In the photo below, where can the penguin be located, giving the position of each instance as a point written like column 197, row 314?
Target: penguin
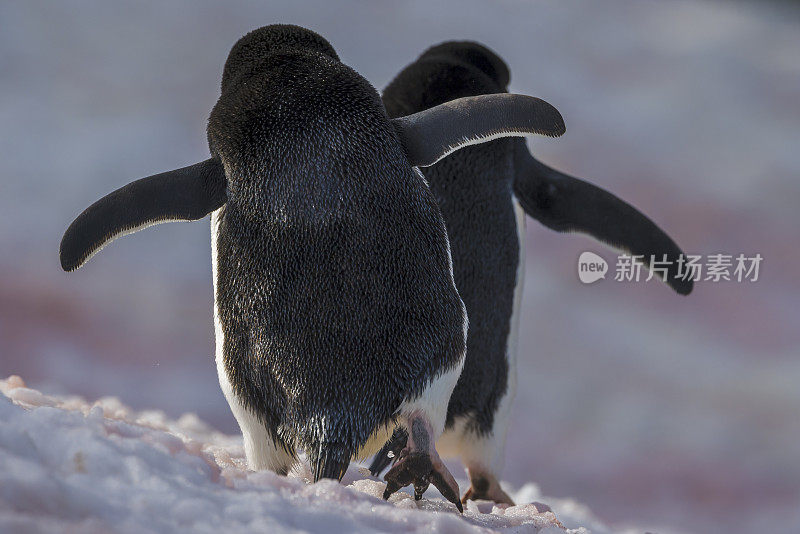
column 336, row 314
column 484, row 192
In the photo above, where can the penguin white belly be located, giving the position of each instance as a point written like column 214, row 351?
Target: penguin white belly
column 432, row 402
column 260, row 449
column 503, row 415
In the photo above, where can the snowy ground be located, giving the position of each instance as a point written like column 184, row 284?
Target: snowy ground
column 67, row 465
column 648, row 407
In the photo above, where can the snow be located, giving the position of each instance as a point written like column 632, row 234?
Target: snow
column 68, row 465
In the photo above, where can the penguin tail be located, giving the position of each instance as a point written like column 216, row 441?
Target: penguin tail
column 330, row 460
column 389, row 451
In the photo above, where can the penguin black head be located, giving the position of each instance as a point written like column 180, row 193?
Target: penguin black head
column 453, row 69
column 289, row 104
column 475, row 55
column 257, row 44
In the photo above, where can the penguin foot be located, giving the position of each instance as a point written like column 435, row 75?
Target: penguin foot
column 419, row 464
column 486, row 488
column 419, row 468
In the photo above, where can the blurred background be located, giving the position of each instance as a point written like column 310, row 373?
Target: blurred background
column 651, row 408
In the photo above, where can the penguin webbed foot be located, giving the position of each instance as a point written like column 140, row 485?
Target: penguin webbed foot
column 419, row 464
column 486, row 488
column 419, row 469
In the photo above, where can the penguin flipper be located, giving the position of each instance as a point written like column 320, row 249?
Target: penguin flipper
column 432, row 134
column 567, row 204
column 185, row 194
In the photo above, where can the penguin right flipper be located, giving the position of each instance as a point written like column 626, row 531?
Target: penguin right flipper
column 185, row 194
column 434, row 133
column 567, row 204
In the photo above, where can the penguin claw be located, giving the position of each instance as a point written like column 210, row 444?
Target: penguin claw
column 418, row 469
column 419, row 489
column 483, row 489
column 448, row 489
column 391, row 487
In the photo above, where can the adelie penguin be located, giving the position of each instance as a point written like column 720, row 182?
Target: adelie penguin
column 336, row 314
column 484, row 192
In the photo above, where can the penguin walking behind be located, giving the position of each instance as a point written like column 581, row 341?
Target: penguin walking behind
column 336, row 314
column 484, row 192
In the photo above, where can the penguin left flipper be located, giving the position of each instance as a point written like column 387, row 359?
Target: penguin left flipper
column 434, row 133
column 184, row 194
column 567, row 204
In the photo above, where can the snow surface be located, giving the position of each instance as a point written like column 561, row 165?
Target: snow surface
column 68, row 465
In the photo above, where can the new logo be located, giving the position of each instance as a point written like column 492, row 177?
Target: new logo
column 591, row 267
